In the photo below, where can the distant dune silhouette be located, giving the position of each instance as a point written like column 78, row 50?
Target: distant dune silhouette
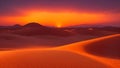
column 33, row 29
column 33, row 24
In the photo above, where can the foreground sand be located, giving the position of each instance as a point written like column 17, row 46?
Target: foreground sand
column 96, row 53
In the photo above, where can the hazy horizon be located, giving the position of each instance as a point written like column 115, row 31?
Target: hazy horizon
column 60, row 13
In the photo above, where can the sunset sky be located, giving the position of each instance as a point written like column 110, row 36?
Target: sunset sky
column 60, row 12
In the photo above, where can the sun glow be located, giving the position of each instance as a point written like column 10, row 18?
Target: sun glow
column 58, row 19
column 59, row 25
column 65, row 18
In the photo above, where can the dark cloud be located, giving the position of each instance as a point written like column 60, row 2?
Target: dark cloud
column 10, row 7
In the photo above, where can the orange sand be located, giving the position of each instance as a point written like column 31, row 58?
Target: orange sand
column 76, row 55
column 105, row 49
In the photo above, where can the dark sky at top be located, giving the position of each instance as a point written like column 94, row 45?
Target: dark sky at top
column 10, row 6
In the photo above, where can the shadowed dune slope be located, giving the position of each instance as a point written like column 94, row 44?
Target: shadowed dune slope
column 17, row 41
column 35, row 58
column 105, row 49
column 108, row 46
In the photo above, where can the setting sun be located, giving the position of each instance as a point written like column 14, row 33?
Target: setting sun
column 59, row 33
column 58, row 25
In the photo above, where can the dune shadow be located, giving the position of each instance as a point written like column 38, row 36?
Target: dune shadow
column 13, row 41
column 106, row 48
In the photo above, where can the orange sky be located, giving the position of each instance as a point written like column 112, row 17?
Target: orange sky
column 60, row 13
column 59, row 19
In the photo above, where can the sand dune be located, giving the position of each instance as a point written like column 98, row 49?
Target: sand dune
column 105, row 49
column 11, row 41
column 46, row 59
column 76, row 55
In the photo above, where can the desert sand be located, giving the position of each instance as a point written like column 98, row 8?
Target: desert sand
column 101, row 52
column 104, row 49
column 11, row 41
